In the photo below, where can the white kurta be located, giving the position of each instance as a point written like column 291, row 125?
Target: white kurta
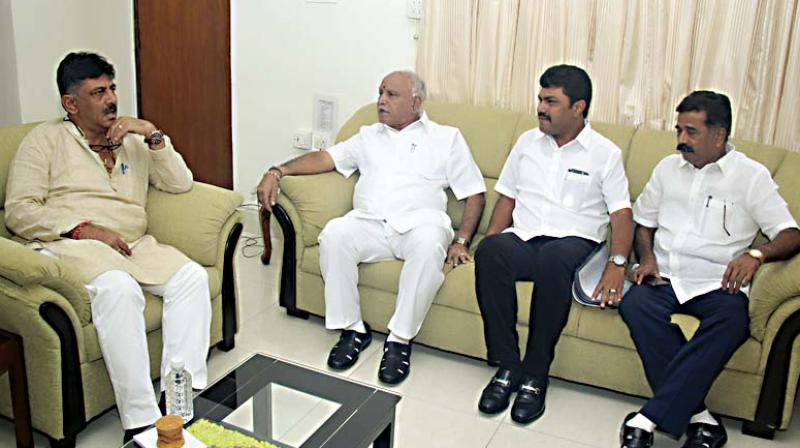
column 399, row 212
column 55, row 182
column 566, row 191
column 707, row 217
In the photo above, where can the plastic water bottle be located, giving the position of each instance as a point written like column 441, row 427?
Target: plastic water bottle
column 179, row 391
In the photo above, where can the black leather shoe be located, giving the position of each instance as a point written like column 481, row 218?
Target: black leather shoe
column 396, row 362
column 703, row 435
column 529, row 404
column 497, row 394
column 630, row 437
column 351, row 343
column 129, row 433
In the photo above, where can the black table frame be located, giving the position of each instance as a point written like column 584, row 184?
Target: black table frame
column 365, row 416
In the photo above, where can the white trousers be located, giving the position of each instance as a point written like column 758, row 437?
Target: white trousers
column 118, row 315
column 345, row 242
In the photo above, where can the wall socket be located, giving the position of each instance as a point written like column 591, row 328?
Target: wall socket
column 302, row 140
column 414, row 9
column 322, row 140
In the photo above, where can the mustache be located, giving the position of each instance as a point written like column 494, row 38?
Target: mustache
column 544, row 117
column 110, row 109
column 683, row 147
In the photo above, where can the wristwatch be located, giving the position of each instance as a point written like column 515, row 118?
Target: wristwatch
column 460, row 240
column 618, row 260
column 757, row 254
column 155, row 138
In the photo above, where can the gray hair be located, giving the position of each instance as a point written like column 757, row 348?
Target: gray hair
column 418, row 87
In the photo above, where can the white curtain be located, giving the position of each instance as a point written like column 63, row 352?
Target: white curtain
column 643, row 56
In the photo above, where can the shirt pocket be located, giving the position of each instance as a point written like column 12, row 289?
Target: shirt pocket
column 722, row 219
column 428, row 165
column 573, row 190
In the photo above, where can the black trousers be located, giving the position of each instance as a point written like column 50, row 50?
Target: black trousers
column 549, row 262
column 681, row 372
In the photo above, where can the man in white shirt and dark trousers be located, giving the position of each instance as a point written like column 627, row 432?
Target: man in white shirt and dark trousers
column 406, row 162
column 561, row 185
column 696, row 218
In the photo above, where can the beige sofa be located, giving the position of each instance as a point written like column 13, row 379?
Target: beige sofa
column 41, row 301
column 759, row 383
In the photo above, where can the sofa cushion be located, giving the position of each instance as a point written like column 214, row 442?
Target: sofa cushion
column 4, row 233
column 767, row 155
column 318, row 199
column 648, row 147
column 788, row 180
column 10, row 137
column 489, row 149
column 617, row 133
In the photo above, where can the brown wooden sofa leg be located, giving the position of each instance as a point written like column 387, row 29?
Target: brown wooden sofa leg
column 12, row 359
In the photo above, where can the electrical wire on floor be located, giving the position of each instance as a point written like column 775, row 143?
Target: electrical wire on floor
column 252, row 246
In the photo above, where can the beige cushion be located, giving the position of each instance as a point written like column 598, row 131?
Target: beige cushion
column 10, row 137
column 191, row 221
column 26, row 267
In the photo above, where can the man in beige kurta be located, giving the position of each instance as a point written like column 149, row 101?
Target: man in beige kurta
column 77, row 190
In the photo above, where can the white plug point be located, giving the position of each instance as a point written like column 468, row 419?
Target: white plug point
column 322, row 140
column 302, row 140
column 414, row 9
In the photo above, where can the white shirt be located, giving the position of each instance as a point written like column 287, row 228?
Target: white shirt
column 707, row 217
column 566, row 191
column 404, row 173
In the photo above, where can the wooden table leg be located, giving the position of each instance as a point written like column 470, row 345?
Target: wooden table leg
column 265, row 257
column 12, row 358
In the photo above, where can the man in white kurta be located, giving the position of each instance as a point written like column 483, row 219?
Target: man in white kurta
column 77, row 190
column 406, row 162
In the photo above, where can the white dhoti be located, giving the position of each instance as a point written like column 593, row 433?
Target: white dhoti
column 118, row 315
column 347, row 241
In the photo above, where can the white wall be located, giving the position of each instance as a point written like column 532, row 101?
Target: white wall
column 44, row 31
column 9, row 90
column 285, row 51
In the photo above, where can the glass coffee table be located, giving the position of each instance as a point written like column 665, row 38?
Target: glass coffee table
column 294, row 407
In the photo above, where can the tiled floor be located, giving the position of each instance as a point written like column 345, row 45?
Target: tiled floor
column 438, row 408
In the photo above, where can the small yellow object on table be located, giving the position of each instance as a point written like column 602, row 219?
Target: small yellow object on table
column 215, row 435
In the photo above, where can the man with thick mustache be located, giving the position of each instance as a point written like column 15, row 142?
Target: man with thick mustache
column 77, row 190
column 696, row 218
column 561, row 185
column 406, row 161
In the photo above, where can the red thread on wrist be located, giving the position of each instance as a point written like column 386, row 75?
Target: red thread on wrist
column 76, row 232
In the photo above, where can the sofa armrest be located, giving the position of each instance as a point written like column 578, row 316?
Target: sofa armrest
column 317, row 199
column 774, row 283
column 27, row 268
column 192, row 222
